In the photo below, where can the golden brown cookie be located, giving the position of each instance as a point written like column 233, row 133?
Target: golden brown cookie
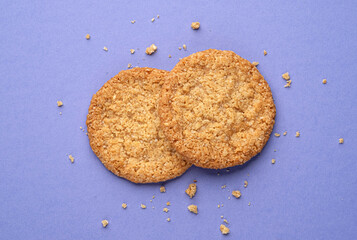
column 216, row 109
column 124, row 128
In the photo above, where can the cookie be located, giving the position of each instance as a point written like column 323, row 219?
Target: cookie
column 123, row 128
column 216, row 109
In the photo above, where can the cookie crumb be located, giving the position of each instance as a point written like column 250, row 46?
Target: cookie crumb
column 236, row 194
column 324, row 81
column 191, row 190
column 297, row 134
column 71, row 158
column 195, row 181
column 133, row 21
column 87, row 36
column 340, row 141
column 223, row 186
column 129, row 65
column 276, row 134
column 285, row 133
column 168, row 204
column 169, row 55
column 265, row 52
column 192, row 208
column 225, row 220
column 142, row 206
column 224, row 229
column 153, row 196
column 168, row 219
column 184, row 47
column 158, row 16
column 180, row 48
column 150, row 50
column 286, row 76
column 124, row 205
column 288, row 84
column 132, row 51
column 218, row 206
column 249, row 204
column 255, row 63
column 245, row 183
column 165, row 210
column 273, row 161
column 222, row 216
column 59, row 103
column 105, row 223
column 162, row 189
column 195, row 25
column 221, row 205
column 152, row 19
column 105, row 49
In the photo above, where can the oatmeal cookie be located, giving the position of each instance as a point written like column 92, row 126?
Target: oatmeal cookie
column 216, row 109
column 124, row 128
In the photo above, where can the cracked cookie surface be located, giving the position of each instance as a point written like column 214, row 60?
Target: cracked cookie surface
column 124, row 128
column 216, row 109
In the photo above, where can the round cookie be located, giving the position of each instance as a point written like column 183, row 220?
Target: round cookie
column 124, row 128
column 216, row 109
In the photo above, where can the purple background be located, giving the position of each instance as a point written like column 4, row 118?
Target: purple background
column 310, row 193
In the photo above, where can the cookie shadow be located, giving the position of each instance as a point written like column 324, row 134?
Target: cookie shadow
column 226, row 171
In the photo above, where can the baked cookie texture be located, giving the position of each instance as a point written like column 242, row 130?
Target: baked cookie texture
column 216, row 109
column 124, row 128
